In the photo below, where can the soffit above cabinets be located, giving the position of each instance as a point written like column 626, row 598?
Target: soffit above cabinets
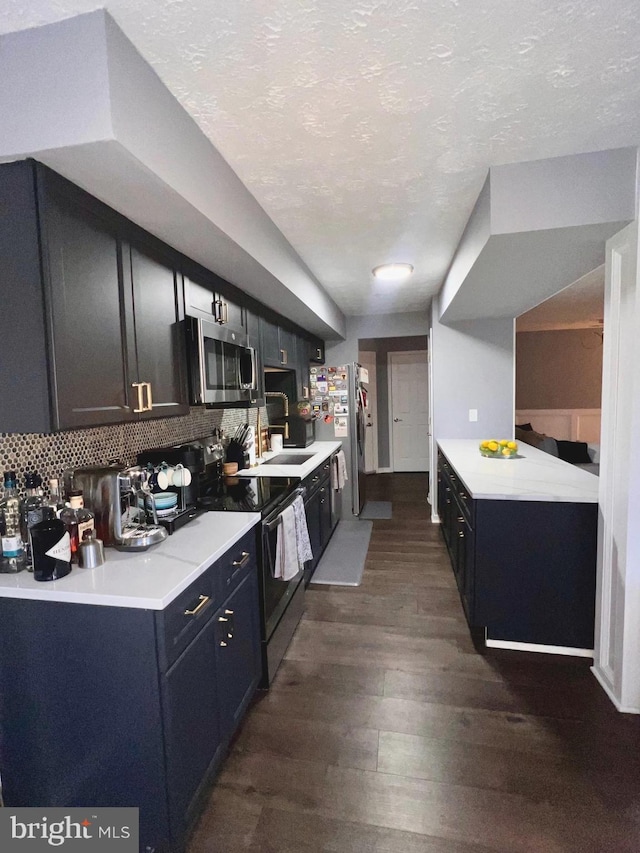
column 365, row 130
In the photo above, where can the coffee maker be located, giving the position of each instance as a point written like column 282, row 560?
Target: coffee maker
column 202, row 456
column 117, row 496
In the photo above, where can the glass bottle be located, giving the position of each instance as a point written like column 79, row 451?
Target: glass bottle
column 13, row 557
column 51, row 549
column 55, row 497
column 31, row 511
column 76, row 519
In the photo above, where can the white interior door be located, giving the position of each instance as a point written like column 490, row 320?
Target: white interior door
column 409, row 398
column 368, row 360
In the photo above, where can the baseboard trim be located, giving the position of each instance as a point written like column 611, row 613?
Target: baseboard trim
column 539, row 648
column 607, row 689
column 384, row 470
column 435, row 518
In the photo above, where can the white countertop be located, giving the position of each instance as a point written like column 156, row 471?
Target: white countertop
column 532, row 476
column 321, row 450
column 149, row 580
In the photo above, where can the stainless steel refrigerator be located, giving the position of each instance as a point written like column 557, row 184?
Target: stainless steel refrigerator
column 339, row 404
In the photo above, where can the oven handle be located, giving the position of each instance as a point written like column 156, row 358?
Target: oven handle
column 274, row 519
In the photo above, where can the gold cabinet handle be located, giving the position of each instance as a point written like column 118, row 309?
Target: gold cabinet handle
column 203, row 599
column 149, row 397
column 461, row 534
column 139, row 386
column 225, row 312
column 460, row 518
column 283, row 356
column 218, row 314
column 244, row 559
column 223, row 644
column 228, row 612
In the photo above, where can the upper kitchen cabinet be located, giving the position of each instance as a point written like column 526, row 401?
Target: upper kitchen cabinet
column 155, row 285
column 88, row 326
column 278, row 346
column 303, row 350
column 203, row 300
column 316, row 351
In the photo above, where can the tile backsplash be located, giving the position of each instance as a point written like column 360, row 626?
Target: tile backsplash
column 50, row 454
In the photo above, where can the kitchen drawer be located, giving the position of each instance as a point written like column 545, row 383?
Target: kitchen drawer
column 313, row 480
column 187, row 614
column 239, row 561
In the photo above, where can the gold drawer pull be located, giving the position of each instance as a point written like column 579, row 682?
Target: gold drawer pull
column 203, row 599
column 243, row 560
column 141, row 406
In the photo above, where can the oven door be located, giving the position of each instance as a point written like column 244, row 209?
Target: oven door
column 222, row 367
column 276, row 593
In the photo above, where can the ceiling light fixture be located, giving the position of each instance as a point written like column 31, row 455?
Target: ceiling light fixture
column 393, row 272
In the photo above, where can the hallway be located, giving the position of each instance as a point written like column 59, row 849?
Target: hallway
column 385, row 731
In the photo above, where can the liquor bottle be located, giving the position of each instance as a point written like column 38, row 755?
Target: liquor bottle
column 13, row 558
column 51, row 550
column 55, row 497
column 31, row 511
column 77, row 519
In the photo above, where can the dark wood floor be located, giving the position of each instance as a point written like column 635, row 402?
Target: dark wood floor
column 386, row 732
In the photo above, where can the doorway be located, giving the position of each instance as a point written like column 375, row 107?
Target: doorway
column 409, row 410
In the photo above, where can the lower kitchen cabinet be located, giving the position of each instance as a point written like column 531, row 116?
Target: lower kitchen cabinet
column 321, row 521
column 525, row 570
column 111, row 706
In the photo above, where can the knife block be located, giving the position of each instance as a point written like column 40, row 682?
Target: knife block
column 236, row 453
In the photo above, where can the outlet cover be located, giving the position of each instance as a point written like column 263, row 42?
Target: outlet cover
column 473, row 415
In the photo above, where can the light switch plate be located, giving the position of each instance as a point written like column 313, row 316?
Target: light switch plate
column 473, row 415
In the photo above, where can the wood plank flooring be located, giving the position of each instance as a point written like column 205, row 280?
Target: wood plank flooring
column 385, row 731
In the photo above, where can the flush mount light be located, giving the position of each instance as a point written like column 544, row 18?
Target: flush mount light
column 393, row 272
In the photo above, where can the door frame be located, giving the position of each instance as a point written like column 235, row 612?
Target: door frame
column 392, row 466
column 373, row 383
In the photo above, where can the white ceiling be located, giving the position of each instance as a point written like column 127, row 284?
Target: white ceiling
column 365, row 129
column 579, row 306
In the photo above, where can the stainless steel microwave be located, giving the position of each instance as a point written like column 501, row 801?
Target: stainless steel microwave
column 222, row 367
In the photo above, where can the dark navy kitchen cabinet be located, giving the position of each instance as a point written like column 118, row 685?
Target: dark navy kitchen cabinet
column 93, row 331
column 252, row 321
column 124, row 706
column 237, row 653
column 155, row 285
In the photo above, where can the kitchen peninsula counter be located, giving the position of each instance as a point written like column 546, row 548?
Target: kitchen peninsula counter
column 532, row 476
column 151, row 579
column 522, row 538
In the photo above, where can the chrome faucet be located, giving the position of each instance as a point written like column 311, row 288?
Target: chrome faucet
column 284, row 397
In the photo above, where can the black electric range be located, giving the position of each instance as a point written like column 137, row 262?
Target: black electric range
column 246, row 494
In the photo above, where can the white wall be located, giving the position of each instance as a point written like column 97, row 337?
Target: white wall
column 472, row 367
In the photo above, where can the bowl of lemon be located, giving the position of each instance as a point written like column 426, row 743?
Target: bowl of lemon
column 499, row 448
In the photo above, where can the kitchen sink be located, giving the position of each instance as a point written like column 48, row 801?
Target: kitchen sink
column 289, row 459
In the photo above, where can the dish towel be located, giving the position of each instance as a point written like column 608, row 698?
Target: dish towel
column 339, row 472
column 303, row 542
column 286, row 565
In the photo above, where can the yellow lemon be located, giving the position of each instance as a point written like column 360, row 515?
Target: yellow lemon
column 506, row 451
column 512, row 445
column 484, row 444
column 503, row 442
column 493, row 446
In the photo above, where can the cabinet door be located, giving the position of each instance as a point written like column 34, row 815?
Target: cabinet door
column 158, row 305
column 312, row 509
column 87, row 320
column 302, row 368
column 270, row 343
column 237, row 653
column 229, row 314
column 199, row 300
column 325, row 513
column 288, row 349
column 192, row 725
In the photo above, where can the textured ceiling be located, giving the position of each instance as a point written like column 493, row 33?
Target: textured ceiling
column 366, row 128
column 581, row 305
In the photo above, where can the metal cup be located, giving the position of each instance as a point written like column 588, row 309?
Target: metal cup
column 90, row 551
